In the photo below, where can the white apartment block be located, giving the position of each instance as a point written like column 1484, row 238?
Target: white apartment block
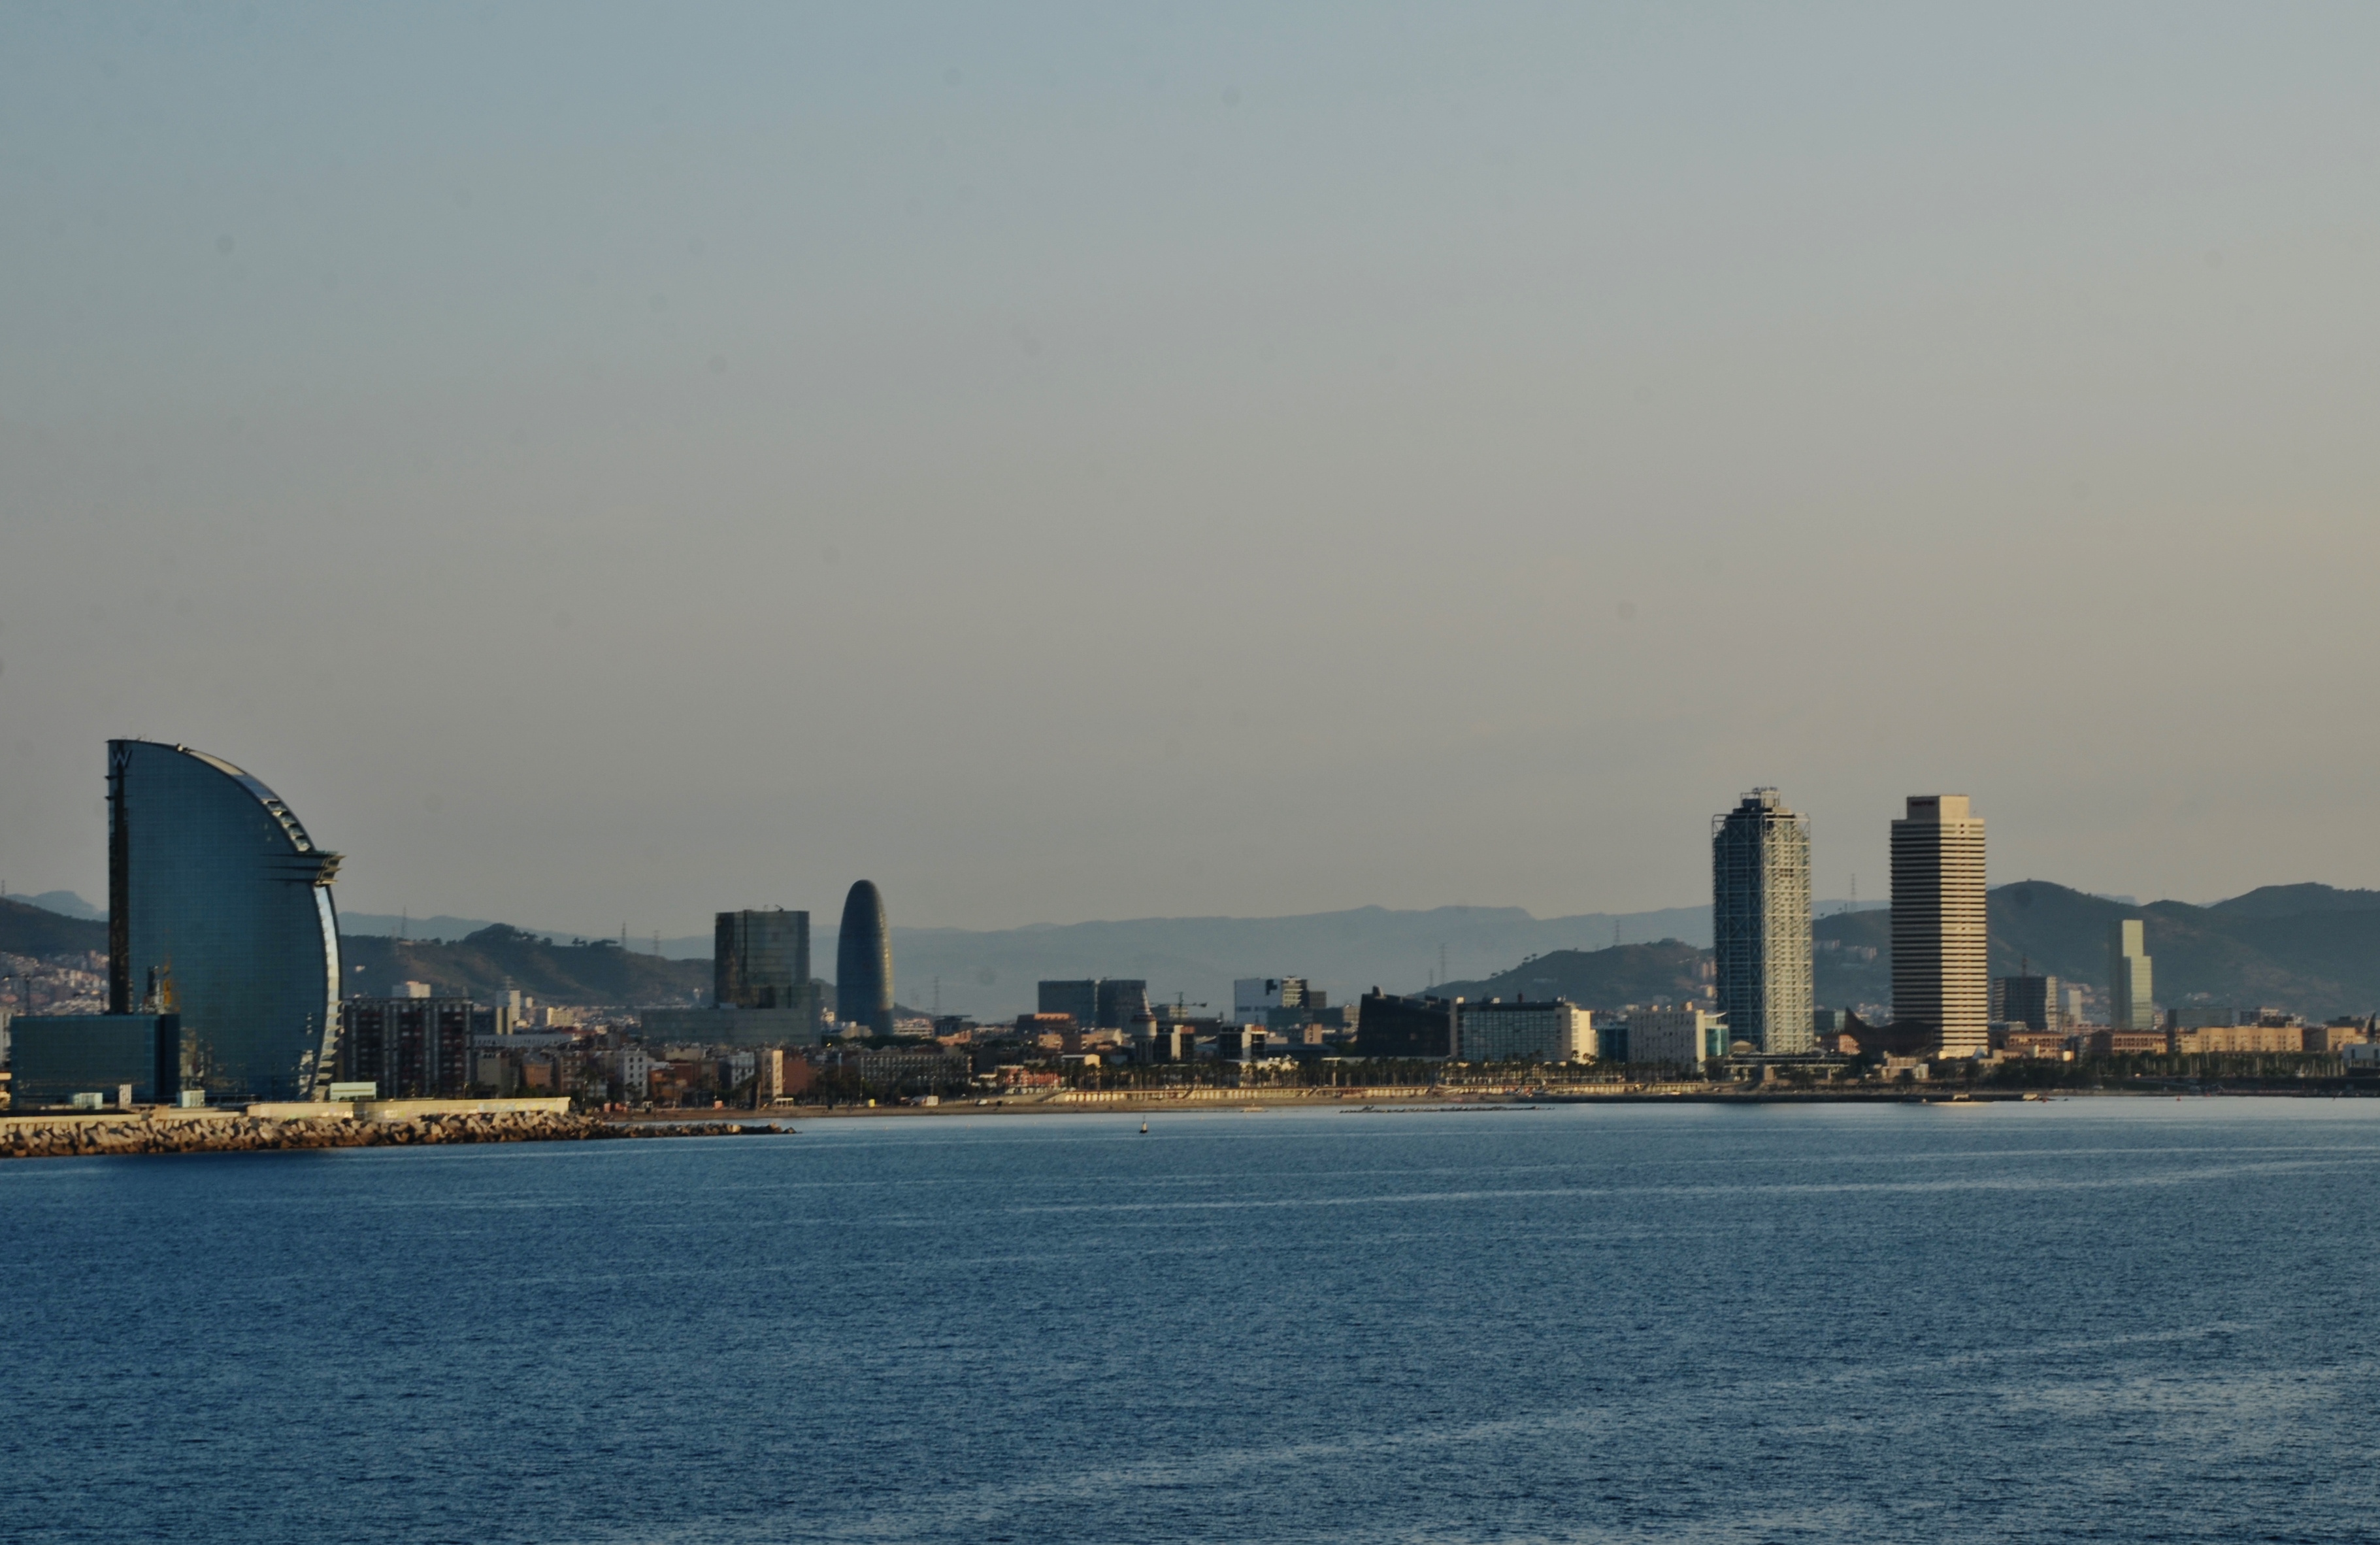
column 1682, row 1037
column 636, row 1067
column 1551, row 1031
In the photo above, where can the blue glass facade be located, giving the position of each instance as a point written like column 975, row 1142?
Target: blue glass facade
column 55, row 1057
column 863, row 962
column 219, row 909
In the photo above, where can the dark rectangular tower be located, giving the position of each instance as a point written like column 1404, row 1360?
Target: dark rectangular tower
column 761, row 959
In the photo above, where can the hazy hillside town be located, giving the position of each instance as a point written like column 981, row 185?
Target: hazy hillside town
column 1952, row 985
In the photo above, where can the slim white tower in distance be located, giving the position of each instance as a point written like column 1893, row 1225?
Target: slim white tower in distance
column 2132, row 997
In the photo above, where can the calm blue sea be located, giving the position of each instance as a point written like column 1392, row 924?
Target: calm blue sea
column 2090, row 1320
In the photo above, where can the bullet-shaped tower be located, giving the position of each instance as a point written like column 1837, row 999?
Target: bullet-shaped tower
column 863, row 962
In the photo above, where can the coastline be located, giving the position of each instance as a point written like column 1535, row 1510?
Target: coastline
column 126, row 1134
column 1121, row 1102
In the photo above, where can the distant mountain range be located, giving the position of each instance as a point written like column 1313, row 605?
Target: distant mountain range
column 28, row 929
column 65, row 903
column 2311, row 948
column 993, row 973
column 1668, row 971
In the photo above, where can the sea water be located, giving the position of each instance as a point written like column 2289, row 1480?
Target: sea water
column 2104, row 1320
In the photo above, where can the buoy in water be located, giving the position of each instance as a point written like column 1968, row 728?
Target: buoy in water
column 1144, row 1126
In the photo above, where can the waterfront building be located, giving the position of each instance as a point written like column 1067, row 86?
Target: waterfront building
column 1940, row 968
column 733, row 1026
column 409, row 1048
column 2035, row 1003
column 761, row 959
column 1078, row 1000
column 1390, row 1026
column 1119, row 1001
column 2258, row 1038
column 57, row 1056
column 863, row 963
column 2337, row 1036
column 1039, row 1028
column 1155, row 1041
column 634, row 1071
column 1685, row 1038
column 2111, row 1041
column 1760, row 923
column 927, row 1069
column 761, row 987
column 1254, row 999
column 1552, row 1031
column 2017, row 1039
column 782, row 1075
column 220, row 910
column 1241, row 1043
column 1097, row 1002
column 2132, row 1000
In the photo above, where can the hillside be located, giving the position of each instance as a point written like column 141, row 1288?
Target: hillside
column 2304, row 947
column 486, row 963
column 1605, row 979
column 2309, row 948
column 1843, row 974
column 32, row 931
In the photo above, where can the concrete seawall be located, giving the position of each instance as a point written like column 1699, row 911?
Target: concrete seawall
column 230, row 1132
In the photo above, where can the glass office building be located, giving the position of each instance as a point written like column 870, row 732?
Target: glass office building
column 761, row 959
column 55, row 1057
column 219, row 910
column 863, row 962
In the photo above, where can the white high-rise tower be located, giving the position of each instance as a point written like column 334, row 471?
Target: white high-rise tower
column 1941, row 972
column 2130, row 994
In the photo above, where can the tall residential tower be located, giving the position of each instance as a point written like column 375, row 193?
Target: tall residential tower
column 1760, row 923
column 1940, row 945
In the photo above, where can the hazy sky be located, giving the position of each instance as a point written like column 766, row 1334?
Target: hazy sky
column 603, row 465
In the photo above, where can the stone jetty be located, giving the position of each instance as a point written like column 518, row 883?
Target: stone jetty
column 176, row 1132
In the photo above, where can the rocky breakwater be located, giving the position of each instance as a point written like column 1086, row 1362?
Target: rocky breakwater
column 67, row 1137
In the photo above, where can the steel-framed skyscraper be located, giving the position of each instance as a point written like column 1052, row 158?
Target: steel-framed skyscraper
column 1940, row 934
column 1760, row 923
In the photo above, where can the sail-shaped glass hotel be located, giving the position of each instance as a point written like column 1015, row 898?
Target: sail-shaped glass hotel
column 219, row 909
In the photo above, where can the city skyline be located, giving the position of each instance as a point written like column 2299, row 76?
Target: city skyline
column 1384, row 595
